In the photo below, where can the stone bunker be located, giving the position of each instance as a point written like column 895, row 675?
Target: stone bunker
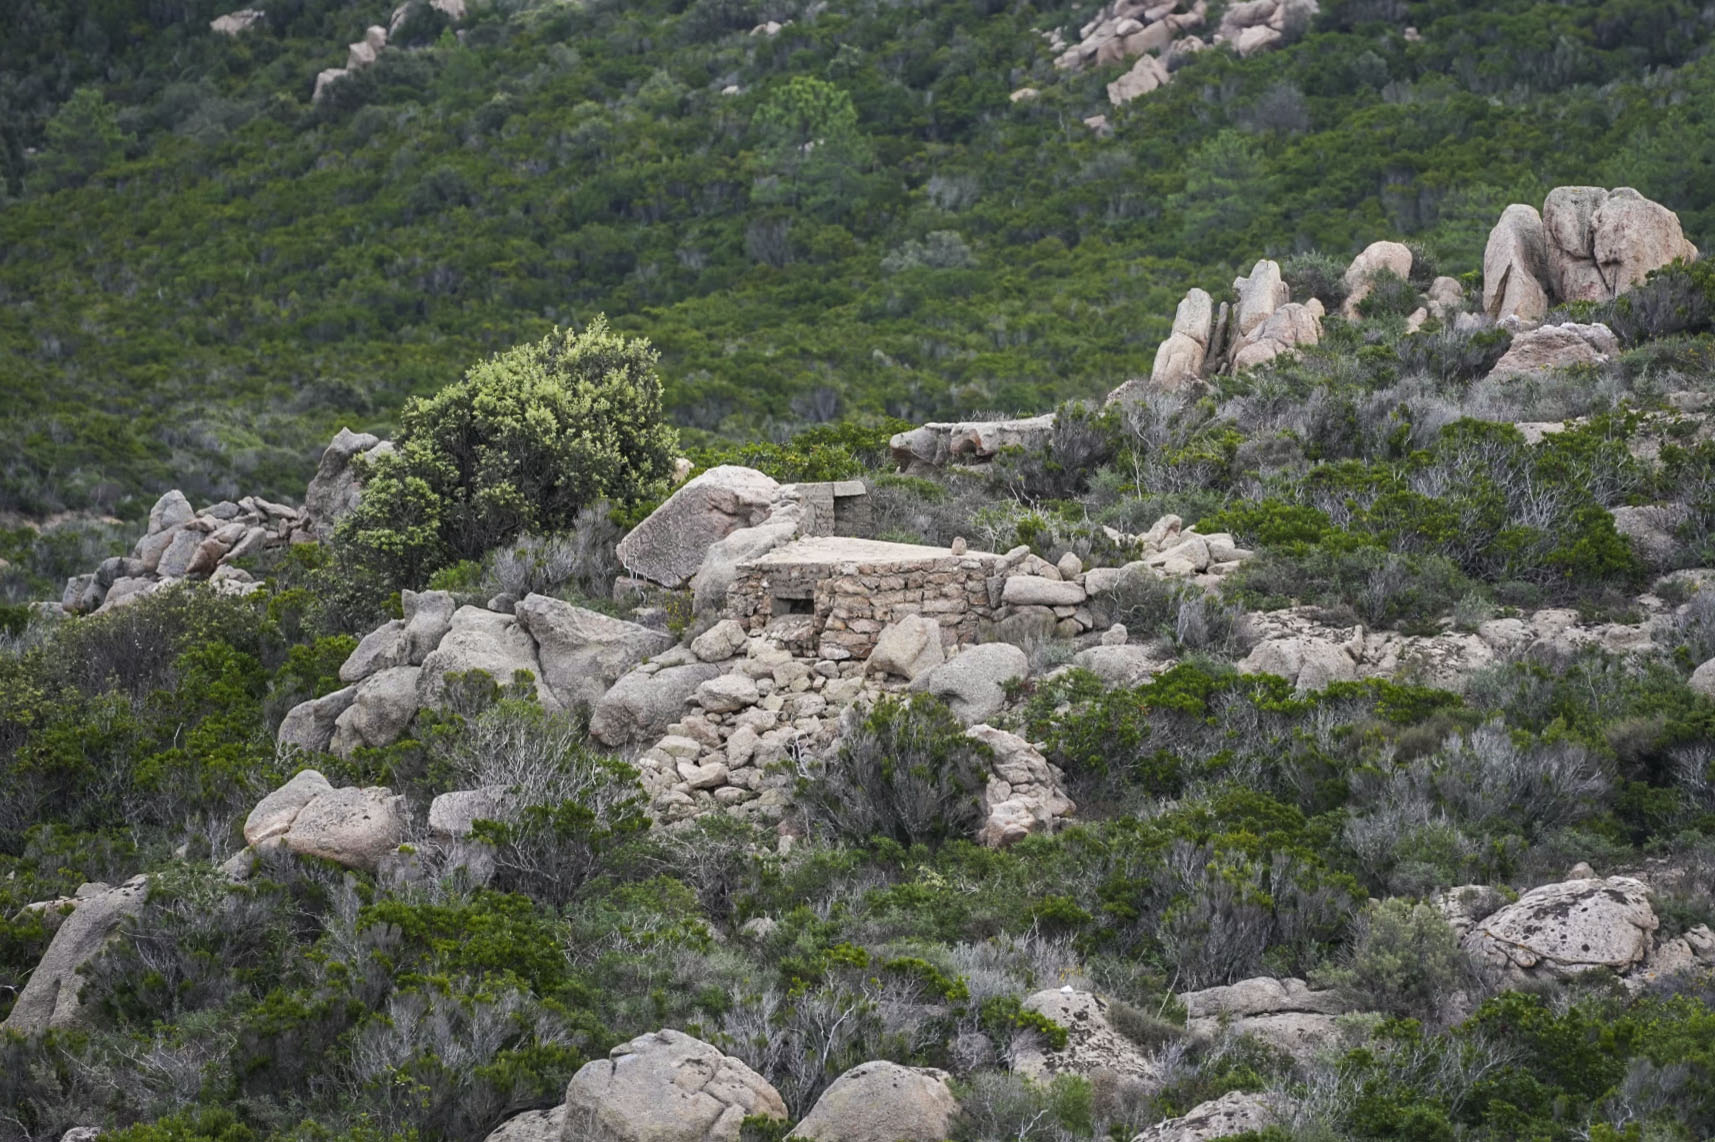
column 831, row 595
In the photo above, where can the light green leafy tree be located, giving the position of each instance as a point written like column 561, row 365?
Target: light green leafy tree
column 521, row 443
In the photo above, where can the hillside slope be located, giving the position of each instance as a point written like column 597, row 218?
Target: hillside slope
column 204, row 273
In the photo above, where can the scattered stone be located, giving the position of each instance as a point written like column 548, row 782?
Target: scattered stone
column 720, row 642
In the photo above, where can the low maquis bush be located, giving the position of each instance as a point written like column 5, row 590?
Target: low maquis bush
column 521, row 443
column 906, row 772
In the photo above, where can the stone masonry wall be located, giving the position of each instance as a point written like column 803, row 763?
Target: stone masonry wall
column 849, row 603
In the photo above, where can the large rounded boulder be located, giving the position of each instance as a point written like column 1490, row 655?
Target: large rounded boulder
column 666, row 1087
column 882, row 1102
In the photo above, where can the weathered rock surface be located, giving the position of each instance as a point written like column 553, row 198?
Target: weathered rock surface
column 381, row 710
column 532, row 1126
column 583, row 652
column 50, row 999
column 640, row 706
column 335, row 488
column 909, row 647
column 1359, row 279
column 380, row 649
column 274, row 814
column 973, row 682
column 428, row 618
column 485, row 640
column 350, row 826
column 1144, row 76
column 1310, row 663
column 1233, row 1113
column 1555, row 347
column 451, row 815
column 310, row 725
column 936, row 445
column 1515, row 265
column 719, row 569
column 1566, row 928
column 1285, row 1013
column 669, row 547
column 1092, row 1044
column 666, row 1087
column 882, row 1102
column 1025, row 794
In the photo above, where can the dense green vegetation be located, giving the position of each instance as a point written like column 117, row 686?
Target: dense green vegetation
column 203, row 275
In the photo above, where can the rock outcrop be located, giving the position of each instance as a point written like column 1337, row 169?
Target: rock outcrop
column 336, row 487
column 1555, row 347
column 1515, row 263
column 1285, row 1013
column 51, row 998
column 938, row 444
column 532, row 1126
column 1567, row 928
column 882, row 1102
column 183, row 543
column 1092, row 1044
column 1024, row 795
column 1235, row 1112
column 1359, row 279
column 669, row 546
column 666, row 1087
column 1179, row 359
column 583, row 653
column 311, row 817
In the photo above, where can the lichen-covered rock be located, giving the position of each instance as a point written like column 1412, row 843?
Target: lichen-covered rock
column 583, row 652
column 669, row 547
column 1566, row 928
column 274, row 814
column 1309, row 663
column 882, row 1102
column 973, row 682
column 1092, row 1044
column 1285, row 1013
column 1235, row 1112
column 666, row 1087
column 50, row 999
column 641, row 705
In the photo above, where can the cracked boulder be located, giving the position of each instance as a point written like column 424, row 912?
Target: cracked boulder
column 1563, row 929
column 1092, row 1044
column 882, row 1102
column 666, row 1087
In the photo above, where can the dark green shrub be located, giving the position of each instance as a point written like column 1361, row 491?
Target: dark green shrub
column 522, row 443
column 1316, row 275
column 906, row 772
column 1390, row 296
